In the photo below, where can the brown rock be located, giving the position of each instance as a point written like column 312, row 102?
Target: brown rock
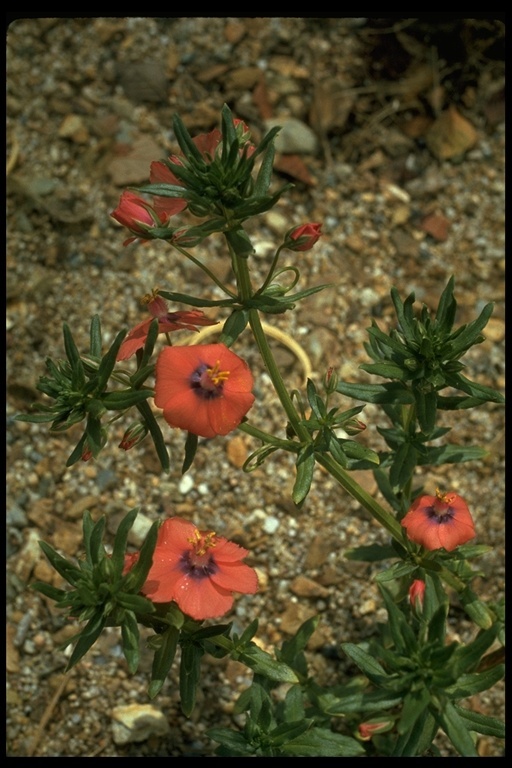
column 236, row 450
column 304, row 587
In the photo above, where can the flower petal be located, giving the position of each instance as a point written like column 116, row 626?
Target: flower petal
column 236, row 577
column 134, row 340
column 201, row 599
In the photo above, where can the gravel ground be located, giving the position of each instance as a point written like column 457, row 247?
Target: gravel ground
column 405, row 199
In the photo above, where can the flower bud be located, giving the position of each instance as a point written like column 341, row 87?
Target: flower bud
column 331, row 380
column 366, row 730
column 417, row 595
column 354, row 426
column 134, row 435
column 302, row 238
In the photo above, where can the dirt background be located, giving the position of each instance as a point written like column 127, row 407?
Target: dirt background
column 394, row 138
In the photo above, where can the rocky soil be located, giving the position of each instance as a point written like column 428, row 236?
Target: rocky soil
column 394, row 136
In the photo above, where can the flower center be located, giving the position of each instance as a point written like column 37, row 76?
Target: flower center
column 208, row 381
column 441, row 507
column 199, row 562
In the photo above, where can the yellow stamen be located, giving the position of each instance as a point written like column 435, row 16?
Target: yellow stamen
column 202, row 542
column 446, row 498
column 217, row 376
column 148, row 297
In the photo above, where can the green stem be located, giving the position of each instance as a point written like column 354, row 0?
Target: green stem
column 357, row 492
column 207, row 271
column 292, row 446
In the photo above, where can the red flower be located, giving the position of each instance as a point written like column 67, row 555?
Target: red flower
column 197, row 569
column 166, row 206
column 167, row 321
column 205, row 389
column 137, row 215
column 443, row 520
column 417, row 595
column 303, row 238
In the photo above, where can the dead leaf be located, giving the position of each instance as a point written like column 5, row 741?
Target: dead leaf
column 451, row 135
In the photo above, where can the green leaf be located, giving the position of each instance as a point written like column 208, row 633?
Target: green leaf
column 233, row 327
column 46, row 589
column 130, row 641
column 108, row 362
column 264, row 177
column 472, row 333
column 67, row 570
column 163, row 660
column 404, row 463
column 446, row 309
column 239, row 242
column 121, row 539
column 476, row 609
column 125, row 398
column 292, row 648
column 93, row 539
column 193, row 301
column 450, row 454
column 190, row 451
column 156, row 434
column 234, row 744
column 366, row 662
column 135, row 578
column 305, row 466
column 474, row 721
column 388, row 370
column 362, row 702
column 390, row 392
column 396, row 571
column 426, row 407
column 293, row 706
column 476, row 682
column 190, row 672
column 354, row 450
column 418, row 739
column 455, row 728
column 95, row 337
column 87, row 638
column 415, row 704
column 322, row 742
column 77, row 451
column 262, row 663
column 458, row 381
column 136, row 603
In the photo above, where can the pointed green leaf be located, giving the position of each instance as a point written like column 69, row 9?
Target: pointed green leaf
column 130, row 641
column 163, row 660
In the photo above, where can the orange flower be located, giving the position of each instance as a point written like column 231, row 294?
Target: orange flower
column 443, row 520
column 417, row 595
column 166, row 206
column 196, row 569
column 167, row 321
column 304, row 237
column 205, row 389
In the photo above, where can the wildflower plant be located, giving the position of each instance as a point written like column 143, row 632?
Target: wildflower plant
column 414, row 680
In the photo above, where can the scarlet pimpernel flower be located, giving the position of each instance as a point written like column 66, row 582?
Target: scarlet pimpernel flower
column 417, row 595
column 443, row 520
column 205, row 389
column 167, row 321
column 196, row 569
column 303, row 238
column 137, row 215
